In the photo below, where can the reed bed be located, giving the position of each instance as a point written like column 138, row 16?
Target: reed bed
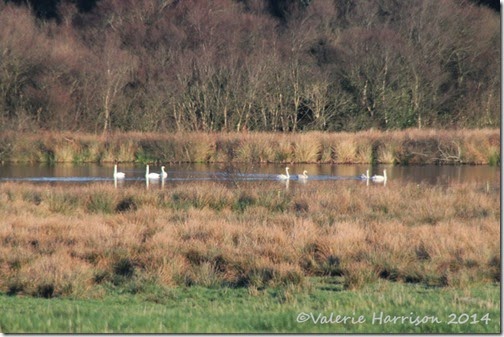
column 73, row 241
column 405, row 147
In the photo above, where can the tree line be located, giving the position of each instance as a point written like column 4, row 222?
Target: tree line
column 256, row 65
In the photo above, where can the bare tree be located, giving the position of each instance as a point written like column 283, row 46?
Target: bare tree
column 228, row 65
column 117, row 69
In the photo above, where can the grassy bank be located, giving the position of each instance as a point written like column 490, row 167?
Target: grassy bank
column 69, row 241
column 398, row 147
column 197, row 309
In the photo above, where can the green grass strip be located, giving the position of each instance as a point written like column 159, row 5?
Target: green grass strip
column 196, row 309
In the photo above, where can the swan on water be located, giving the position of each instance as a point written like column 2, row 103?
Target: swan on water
column 304, row 175
column 378, row 178
column 163, row 173
column 365, row 176
column 118, row 175
column 284, row 176
column 151, row 175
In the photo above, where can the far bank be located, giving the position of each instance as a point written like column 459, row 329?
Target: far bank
column 407, row 147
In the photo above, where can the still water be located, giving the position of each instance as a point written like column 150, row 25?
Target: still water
column 180, row 173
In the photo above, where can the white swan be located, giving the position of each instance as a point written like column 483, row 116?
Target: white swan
column 365, row 176
column 303, row 176
column 379, row 179
column 118, row 175
column 163, row 173
column 151, row 175
column 284, row 176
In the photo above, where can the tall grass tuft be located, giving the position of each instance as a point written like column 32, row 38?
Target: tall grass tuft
column 53, row 276
column 358, row 274
column 197, row 149
column 64, row 152
column 249, row 152
column 100, row 202
column 326, row 149
column 28, row 150
column 62, row 203
column 345, row 151
column 385, row 151
column 364, row 152
column 307, row 150
column 121, row 149
column 282, row 149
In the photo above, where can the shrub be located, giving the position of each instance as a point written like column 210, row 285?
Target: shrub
column 126, row 205
column 100, row 202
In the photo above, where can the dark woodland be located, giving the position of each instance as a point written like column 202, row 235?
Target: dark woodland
column 248, row 65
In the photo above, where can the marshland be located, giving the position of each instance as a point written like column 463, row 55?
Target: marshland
column 63, row 241
column 261, row 242
column 225, row 95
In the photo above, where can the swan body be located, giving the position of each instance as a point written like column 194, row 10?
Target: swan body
column 118, row 175
column 284, row 176
column 163, row 172
column 364, row 176
column 303, row 176
column 151, row 175
column 378, row 178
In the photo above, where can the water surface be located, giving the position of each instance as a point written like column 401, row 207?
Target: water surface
column 180, row 173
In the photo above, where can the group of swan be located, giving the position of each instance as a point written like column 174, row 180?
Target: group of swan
column 376, row 178
column 152, row 175
column 287, row 176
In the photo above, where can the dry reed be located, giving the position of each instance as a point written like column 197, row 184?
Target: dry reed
column 400, row 147
column 68, row 241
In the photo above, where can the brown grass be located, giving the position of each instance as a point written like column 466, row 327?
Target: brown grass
column 398, row 147
column 61, row 241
